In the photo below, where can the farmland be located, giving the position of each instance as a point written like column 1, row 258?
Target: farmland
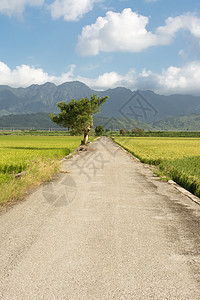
column 37, row 155
column 177, row 158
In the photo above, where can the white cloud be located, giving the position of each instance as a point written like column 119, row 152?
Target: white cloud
column 182, row 80
column 189, row 22
column 71, row 10
column 16, row 7
column 111, row 80
column 173, row 80
column 126, row 32
column 24, row 75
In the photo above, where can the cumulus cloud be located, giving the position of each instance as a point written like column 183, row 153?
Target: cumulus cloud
column 182, row 80
column 71, row 10
column 111, row 80
column 16, row 7
column 24, row 75
column 126, row 32
column 173, row 80
column 166, row 34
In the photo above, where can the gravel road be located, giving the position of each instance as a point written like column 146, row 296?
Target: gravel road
column 105, row 228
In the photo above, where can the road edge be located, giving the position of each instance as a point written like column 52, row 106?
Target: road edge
column 178, row 187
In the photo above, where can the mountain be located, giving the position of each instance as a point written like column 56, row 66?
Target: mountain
column 173, row 105
column 39, row 98
column 143, row 106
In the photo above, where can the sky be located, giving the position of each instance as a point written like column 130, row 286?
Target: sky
column 137, row 44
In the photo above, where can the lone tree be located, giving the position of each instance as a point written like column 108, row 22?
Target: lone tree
column 77, row 115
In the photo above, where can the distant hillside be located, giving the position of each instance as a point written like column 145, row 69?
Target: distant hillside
column 185, row 123
column 43, row 121
column 143, row 106
column 27, row 121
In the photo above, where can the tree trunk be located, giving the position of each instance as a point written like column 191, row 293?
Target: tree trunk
column 86, row 134
column 85, row 139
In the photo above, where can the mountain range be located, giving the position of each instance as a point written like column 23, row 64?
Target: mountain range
column 142, row 106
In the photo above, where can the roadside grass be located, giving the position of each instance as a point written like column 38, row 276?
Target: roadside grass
column 12, row 188
column 38, row 156
column 177, row 158
column 185, row 171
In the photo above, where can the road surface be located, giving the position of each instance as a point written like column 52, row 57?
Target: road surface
column 105, row 228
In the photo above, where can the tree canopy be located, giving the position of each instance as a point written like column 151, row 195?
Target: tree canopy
column 99, row 130
column 77, row 115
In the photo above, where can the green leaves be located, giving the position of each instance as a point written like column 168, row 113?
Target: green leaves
column 99, row 130
column 78, row 115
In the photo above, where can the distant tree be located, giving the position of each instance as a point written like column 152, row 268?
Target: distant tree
column 138, row 131
column 99, row 130
column 77, row 115
column 123, row 131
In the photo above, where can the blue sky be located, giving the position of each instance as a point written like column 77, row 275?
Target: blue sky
column 138, row 44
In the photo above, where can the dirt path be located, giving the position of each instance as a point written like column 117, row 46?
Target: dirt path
column 108, row 229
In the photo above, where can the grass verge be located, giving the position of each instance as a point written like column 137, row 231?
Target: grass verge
column 185, row 171
column 183, row 167
column 39, row 157
column 13, row 189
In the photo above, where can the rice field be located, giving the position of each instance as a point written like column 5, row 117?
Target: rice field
column 37, row 155
column 18, row 152
column 177, row 158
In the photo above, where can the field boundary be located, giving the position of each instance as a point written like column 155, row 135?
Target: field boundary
column 178, row 187
column 184, row 191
